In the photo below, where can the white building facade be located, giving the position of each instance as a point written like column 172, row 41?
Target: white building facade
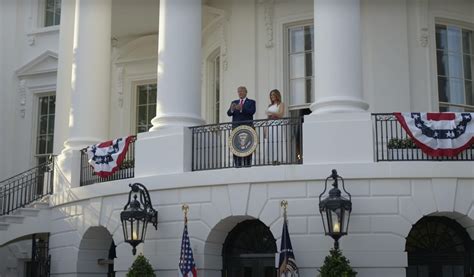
column 79, row 72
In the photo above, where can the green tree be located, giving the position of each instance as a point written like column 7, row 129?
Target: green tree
column 141, row 267
column 336, row 265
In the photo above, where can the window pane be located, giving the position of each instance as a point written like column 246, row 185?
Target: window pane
column 309, row 89
column 442, row 61
column 152, row 94
column 296, row 40
column 142, row 113
column 142, row 95
column 43, row 105
column 467, row 43
column 41, row 145
column 297, row 92
column 455, row 66
column 456, row 91
column 443, row 89
column 141, row 129
column 49, row 147
column 151, row 113
column 469, row 93
column 309, row 64
column 43, row 124
column 468, row 64
column 454, row 39
column 308, row 38
column 441, row 37
column 52, row 104
column 51, row 124
column 297, row 66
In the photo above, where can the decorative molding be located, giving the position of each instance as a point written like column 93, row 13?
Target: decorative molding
column 31, row 40
column 223, row 42
column 119, row 85
column 44, row 63
column 268, row 8
column 423, row 38
column 22, row 88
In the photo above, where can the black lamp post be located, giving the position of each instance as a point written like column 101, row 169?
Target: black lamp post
column 136, row 214
column 335, row 209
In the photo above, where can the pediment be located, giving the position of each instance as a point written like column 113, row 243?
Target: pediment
column 44, row 63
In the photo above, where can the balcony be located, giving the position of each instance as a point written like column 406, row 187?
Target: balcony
column 392, row 143
column 278, row 142
column 126, row 170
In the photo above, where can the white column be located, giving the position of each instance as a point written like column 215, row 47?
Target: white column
column 337, row 56
column 63, row 89
column 89, row 87
column 88, row 118
column 179, row 64
column 179, row 91
column 339, row 130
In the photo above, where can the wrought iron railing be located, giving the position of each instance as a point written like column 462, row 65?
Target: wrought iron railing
column 279, row 142
column 126, row 170
column 27, row 187
column 392, row 143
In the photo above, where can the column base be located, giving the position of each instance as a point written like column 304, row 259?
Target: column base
column 68, row 170
column 165, row 151
column 175, row 120
column 338, row 104
column 338, row 138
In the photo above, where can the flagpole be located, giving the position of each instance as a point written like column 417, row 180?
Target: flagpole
column 185, row 209
column 284, row 205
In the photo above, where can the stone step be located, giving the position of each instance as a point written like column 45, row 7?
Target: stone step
column 4, row 225
column 40, row 205
column 18, row 219
column 30, row 212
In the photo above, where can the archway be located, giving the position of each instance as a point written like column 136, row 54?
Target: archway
column 96, row 253
column 249, row 250
column 438, row 246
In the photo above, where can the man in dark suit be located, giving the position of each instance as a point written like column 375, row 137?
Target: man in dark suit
column 242, row 111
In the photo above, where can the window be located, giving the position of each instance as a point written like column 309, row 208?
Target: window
column 52, row 12
column 45, row 129
column 146, row 107
column 213, row 87
column 300, row 65
column 455, row 64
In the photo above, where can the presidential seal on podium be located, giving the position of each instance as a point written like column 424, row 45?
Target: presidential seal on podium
column 243, row 141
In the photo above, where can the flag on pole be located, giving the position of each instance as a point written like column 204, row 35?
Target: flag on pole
column 287, row 266
column 187, row 267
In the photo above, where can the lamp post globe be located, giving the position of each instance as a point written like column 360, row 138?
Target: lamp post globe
column 136, row 215
column 335, row 209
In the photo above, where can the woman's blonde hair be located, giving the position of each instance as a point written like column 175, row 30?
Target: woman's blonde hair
column 277, row 96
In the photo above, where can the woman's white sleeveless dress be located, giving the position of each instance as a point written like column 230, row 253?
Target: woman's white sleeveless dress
column 275, row 144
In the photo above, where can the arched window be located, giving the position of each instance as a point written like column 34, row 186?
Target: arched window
column 438, row 247
column 249, row 250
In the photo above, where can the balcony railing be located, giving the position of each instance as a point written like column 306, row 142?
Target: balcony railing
column 392, row 143
column 126, row 170
column 25, row 188
column 278, row 142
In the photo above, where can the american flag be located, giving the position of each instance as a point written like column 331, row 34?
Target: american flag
column 187, row 267
column 287, row 264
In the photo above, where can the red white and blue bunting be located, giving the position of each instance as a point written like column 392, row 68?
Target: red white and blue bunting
column 439, row 134
column 107, row 157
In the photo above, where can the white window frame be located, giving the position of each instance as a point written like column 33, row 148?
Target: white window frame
column 44, row 92
column 286, row 62
column 134, row 101
column 42, row 15
column 461, row 25
column 210, row 88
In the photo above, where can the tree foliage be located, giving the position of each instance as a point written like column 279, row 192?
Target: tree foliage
column 336, row 265
column 141, row 267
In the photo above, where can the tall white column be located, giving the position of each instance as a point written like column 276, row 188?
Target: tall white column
column 90, row 86
column 63, row 89
column 178, row 91
column 88, row 119
column 179, row 64
column 337, row 55
column 339, row 129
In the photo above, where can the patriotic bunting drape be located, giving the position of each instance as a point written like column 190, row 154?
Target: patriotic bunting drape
column 107, row 157
column 439, row 134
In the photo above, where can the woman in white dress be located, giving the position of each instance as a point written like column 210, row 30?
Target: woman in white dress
column 275, row 135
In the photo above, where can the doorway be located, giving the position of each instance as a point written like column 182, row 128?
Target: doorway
column 249, row 251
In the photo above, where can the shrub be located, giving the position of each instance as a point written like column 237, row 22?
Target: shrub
column 141, row 267
column 396, row 143
column 336, row 265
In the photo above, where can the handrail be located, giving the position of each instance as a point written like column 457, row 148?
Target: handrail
column 26, row 187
